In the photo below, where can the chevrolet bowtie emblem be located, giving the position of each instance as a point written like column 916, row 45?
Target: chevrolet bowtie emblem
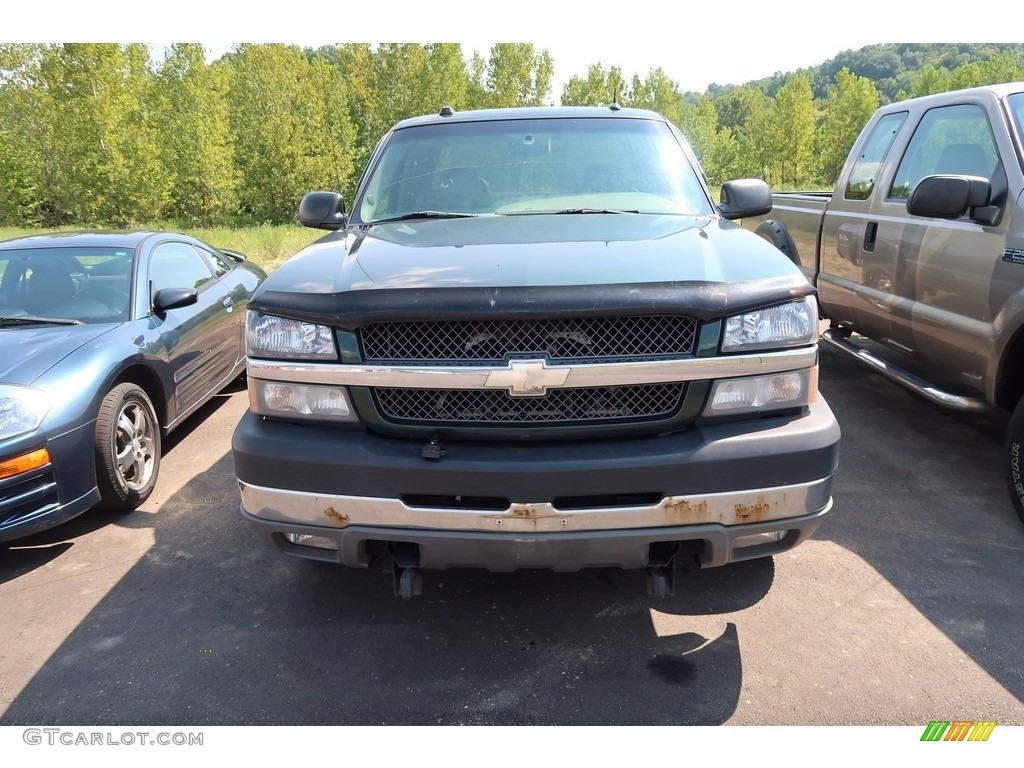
column 527, row 378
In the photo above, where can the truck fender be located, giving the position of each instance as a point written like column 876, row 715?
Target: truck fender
column 773, row 231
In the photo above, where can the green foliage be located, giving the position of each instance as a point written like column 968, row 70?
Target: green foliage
column 196, row 147
column 517, row 76
column 107, row 170
column 290, row 128
column 893, row 68
column 396, row 81
column 791, row 126
column 79, row 134
column 659, row 93
column 599, row 88
column 851, row 102
column 99, row 135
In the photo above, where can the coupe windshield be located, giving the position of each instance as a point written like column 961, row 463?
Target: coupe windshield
column 89, row 284
column 548, row 165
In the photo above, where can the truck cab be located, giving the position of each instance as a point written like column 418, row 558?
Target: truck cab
column 919, row 248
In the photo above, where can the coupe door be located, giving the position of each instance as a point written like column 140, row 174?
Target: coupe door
column 201, row 340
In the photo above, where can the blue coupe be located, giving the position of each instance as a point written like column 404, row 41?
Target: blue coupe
column 108, row 341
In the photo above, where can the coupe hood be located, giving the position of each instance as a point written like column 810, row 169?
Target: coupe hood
column 524, row 264
column 27, row 352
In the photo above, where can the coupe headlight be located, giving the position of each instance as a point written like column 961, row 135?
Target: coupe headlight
column 786, row 325
column 271, row 336
column 21, row 409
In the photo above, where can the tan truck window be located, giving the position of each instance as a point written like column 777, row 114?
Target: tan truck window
column 866, row 166
column 956, row 139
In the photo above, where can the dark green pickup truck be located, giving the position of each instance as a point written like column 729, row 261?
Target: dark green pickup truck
column 535, row 342
column 920, row 250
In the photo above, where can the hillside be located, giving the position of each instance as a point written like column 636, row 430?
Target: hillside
column 892, row 67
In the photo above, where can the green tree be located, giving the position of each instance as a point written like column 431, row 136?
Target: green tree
column 599, row 88
column 715, row 148
column 657, row 92
column 851, row 102
column 98, row 102
column 290, row 128
column 791, row 130
column 931, row 80
column 358, row 67
column 448, row 80
column 744, row 114
column 518, row 76
column 399, row 80
column 1001, row 68
column 195, row 145
column 25, row 134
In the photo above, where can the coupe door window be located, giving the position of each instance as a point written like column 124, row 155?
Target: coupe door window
column 177, row 265
column 221, row 264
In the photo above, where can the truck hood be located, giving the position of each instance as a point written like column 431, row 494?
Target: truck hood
column 27, row 352
column 528, row 264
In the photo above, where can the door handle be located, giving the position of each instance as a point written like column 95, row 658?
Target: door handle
column 870, row 233
column 229, row 305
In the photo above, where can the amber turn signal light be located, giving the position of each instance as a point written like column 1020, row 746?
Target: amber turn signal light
column 24, row 463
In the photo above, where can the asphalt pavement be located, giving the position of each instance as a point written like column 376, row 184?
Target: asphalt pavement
column 905, row 607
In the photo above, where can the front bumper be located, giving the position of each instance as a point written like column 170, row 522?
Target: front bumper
column 561, row 506
column 49, row 495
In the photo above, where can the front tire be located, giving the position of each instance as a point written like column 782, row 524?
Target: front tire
column 1013, row 456
column 127, row 448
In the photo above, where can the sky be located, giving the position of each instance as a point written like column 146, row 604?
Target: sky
column 696, row 43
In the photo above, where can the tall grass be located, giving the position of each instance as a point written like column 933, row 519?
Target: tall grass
column 266, row 245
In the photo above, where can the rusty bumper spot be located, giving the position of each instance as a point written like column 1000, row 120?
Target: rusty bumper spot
column 683, row 510
column 338, row 517
column 523, row 511
column 748, row 513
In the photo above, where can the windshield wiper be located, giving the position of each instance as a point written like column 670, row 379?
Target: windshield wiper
column 593, row 210
column 428, row 215
column 30, row 320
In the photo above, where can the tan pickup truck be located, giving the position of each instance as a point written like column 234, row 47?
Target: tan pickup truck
column 918, row 255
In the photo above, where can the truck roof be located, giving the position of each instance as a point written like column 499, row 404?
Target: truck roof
column 999, row 90
column 449, row 115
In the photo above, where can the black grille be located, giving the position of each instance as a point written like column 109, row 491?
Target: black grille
column 481, row 342
column 485, row 406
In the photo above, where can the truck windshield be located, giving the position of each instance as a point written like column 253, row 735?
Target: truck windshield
column 532, row 166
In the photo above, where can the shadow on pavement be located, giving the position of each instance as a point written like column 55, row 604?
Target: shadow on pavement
column 211, row 628
column 920, row 496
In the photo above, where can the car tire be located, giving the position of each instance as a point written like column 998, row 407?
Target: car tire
column 127, row 448
column 1013, row 455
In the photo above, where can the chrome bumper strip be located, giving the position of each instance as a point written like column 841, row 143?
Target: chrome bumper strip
column 732, row 508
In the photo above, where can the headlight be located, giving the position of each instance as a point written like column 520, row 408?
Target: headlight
column 786, row 325
column 270, row 336
column 759, row 394
column 308, row 401
column 21, row 409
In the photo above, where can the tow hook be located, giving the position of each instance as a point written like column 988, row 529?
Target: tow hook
column 661, row 570
column 405, row 570
column 433, row 451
